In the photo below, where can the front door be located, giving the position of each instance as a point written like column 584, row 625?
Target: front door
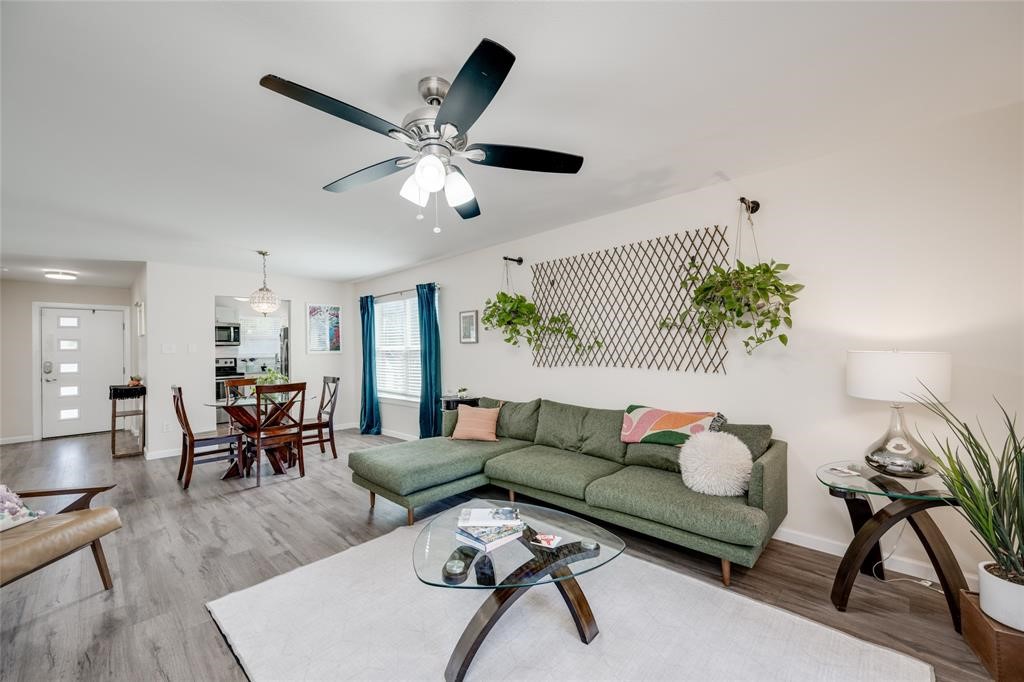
column 82, row 355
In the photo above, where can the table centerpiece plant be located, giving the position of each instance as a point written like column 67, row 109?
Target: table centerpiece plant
column 989, row 488
column 271, row 376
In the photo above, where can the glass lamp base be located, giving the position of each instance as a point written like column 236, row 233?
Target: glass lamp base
column 897, row 453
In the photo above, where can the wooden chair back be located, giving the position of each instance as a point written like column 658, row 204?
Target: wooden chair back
column 328, row 400
column 277, row 404
column 179, row 412
column 239, row 388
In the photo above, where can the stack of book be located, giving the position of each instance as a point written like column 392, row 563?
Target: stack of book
column 490, row 528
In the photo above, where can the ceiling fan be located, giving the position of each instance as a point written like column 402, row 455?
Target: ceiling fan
column 436, row 132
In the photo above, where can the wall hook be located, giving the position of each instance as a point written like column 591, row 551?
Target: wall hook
column 750, row 204
column 517, row 261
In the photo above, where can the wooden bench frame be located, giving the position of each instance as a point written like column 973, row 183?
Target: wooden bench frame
column 83, row 502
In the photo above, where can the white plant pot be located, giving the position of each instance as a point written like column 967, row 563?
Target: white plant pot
column 1000, row 599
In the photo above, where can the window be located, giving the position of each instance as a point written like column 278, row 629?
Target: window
column 261, row 336
column 67, row 321
column 69, row 414
column 68, row 344
column 397, row 331
column 69, row 368
column 68, row 391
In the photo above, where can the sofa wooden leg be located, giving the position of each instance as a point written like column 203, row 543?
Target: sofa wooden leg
column 373, row 499
column 511, row 495
column 101, row 564
column 726, row 572
column 410, row 517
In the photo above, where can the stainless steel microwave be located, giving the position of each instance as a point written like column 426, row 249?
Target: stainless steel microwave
column 228, row 334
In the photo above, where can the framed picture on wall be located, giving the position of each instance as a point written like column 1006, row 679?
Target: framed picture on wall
column 468, row 321
column 323, row 328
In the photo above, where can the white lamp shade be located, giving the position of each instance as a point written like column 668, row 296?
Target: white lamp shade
column 456, row 189
column 896, row 375
column 430, row 173
column 412, row 191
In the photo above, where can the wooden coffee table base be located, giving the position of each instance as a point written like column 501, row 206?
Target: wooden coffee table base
column 499, row 602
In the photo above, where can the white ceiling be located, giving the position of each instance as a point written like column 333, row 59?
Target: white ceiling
column 90, row 272
column 138, row 131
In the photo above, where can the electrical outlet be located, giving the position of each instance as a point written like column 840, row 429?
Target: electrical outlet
column 167, row 427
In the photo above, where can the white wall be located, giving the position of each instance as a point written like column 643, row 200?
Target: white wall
column 180, row 345
column 912, row 241
column 16, row 298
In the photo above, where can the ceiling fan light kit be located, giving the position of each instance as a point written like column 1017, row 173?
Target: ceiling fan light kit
column 437, row 132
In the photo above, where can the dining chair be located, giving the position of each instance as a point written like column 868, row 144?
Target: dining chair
column 324, row 418
column 277, row 424
column 191, row 441
column 235, row 389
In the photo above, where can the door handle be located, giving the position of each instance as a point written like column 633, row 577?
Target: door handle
column 49, row 381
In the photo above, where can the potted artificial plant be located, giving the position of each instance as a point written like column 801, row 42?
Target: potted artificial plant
column 990, row 491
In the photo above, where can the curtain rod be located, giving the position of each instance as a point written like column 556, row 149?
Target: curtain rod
column 401, row 291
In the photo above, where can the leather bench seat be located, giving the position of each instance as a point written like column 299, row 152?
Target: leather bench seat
column 26, row 547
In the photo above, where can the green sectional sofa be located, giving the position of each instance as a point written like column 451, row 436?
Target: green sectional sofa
column 571, row 456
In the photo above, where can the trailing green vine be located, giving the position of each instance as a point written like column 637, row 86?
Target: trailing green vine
column 745, row 297
column 519, row 320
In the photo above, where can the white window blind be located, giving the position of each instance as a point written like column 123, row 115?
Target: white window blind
column 396, row 327
column 261, row 336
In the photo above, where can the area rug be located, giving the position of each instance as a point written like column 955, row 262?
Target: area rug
column 362, row 614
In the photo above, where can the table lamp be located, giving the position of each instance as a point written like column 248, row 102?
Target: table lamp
column 894, row 375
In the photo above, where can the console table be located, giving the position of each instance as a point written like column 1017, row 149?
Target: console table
column 864, row 554
column 127, row 393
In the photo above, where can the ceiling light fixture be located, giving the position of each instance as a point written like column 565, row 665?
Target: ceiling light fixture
column 412, row 191
column 430, row 173
column 456, row 188
column 62, row 275
column 263, row 300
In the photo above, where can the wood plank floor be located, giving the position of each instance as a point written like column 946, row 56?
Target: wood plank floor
column 179, row 549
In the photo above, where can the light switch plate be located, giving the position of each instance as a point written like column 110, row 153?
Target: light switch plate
column 192, row 348
column 168, row 348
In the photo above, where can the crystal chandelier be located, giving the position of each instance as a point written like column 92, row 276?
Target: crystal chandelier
column 263, row 300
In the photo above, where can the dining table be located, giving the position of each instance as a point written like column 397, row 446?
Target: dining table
column 242, row 411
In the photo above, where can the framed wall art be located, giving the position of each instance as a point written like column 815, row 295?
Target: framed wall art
column 323, row 328
column 469, row 321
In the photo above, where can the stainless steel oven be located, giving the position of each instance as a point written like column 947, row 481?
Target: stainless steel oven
column 224, row 368
column 227, row 334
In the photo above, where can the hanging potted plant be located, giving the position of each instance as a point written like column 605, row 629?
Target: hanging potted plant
column 752, row 298
column 519, row 320
column 990, row 493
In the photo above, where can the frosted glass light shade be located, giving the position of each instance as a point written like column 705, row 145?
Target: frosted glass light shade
column 412, row 191
column 429, row 173
column 456, row 189
column 893, row 375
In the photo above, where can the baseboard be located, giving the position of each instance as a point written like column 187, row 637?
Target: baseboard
column 398, row 434
column 160, row 454
column 914, row 567
column 8, row 440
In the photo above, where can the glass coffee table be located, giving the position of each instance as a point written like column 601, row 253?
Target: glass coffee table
column 856, row 484
column 442, row 560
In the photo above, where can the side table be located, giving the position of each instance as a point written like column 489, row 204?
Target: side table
column 118, row 393
column 452, row 402
column 864, row 554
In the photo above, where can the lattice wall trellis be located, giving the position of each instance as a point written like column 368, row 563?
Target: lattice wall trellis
column 620, row 295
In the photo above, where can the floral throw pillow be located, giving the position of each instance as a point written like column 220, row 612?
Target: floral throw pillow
column 641, row 424
column 13, row 511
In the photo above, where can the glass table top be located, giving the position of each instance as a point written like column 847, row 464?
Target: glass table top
column 248, row 401
column 441, row 559
column 867, row 481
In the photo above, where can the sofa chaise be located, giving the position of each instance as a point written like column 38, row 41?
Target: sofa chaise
column 572, row 457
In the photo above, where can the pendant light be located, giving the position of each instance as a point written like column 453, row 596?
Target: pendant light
column 263, row 300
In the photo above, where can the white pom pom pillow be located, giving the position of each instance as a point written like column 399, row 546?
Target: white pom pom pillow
column 715, row 463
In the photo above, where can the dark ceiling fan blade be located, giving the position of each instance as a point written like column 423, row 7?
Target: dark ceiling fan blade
column 367, row 175
column 317, row 100
column 525, row 158
column 475, row 85
column 468, row 210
